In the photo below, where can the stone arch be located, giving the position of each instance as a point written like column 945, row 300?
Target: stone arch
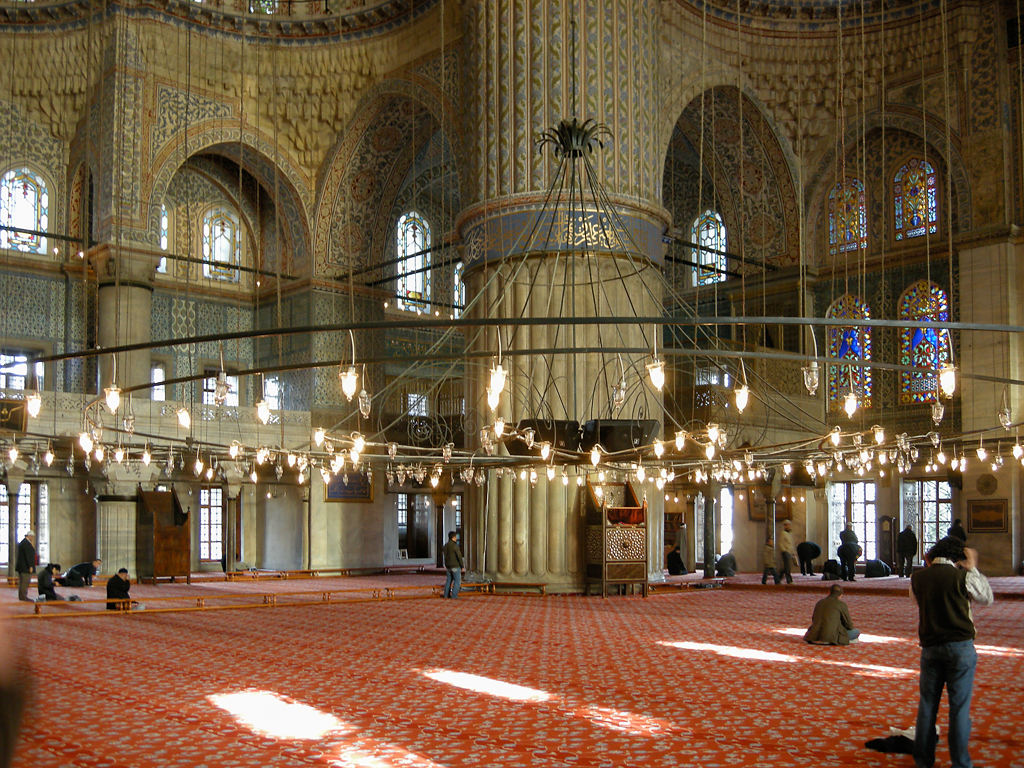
column 767, row 204
column 368, row 163
column 945, row 156
column 257, row 157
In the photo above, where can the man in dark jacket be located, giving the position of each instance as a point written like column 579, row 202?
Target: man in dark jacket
column 25, row 564
column 454, row 565
column 944, row 592
column 848, row 552
column 725, row 565
column 118, row 587
column 674, row 562
column 906, row 551
column 957, row 529
column 831, row 623
column 80, row 575
column 45, row 580
column 806, row 551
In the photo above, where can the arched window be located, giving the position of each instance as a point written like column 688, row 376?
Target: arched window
column 708, row 232
column 847, row 217
column 165, row 237
column 413, row 287
column 222, row 245
column 916, row 199
column 923, row 347
column 852, row 343
column 25, row 206
column 459, row 292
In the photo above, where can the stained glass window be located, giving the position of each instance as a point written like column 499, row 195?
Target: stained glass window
column 850, row 342
column 460, row 291
column 414, row 267
column 222, row 245
column 847, row 217
column 165, row 238
column 923, row 347
column 915, row 197
column 25, row 206
column 708, row 232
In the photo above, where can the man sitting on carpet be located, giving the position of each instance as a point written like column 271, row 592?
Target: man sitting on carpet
column 118, row 587
column 831, row 623
column 45, row 580
column 674, row 562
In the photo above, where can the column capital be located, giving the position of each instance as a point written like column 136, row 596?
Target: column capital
column 124, row 265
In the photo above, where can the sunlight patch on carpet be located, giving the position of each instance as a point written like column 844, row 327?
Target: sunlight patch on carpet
column 369, row 753
column 733, row 651
column 273, row 715
column 998, row 650
column 864, row 638
column 487, row 685
column 625, row 722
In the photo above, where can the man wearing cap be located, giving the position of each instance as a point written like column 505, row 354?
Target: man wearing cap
column 454, row 565
column 944, row 591
column 25, row 564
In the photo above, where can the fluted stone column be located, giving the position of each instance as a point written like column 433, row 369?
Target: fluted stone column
column 522, row 65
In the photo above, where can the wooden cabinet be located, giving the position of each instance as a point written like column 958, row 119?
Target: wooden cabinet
column 163, row 541
column 616, row 537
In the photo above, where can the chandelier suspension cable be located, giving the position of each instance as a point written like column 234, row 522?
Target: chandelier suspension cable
column 949, row 165
column 279, row 255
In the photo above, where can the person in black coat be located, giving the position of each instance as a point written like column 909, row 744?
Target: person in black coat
column 848, row 552
column 118, row 587
column 25, row 564
column 956, row 529
column 80, row 575
column 45, row 580
column 806, row 551
column 674, row 562
column 906, row 551
column 726, row 565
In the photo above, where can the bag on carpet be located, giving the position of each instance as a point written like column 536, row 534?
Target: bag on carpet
column 830, row 571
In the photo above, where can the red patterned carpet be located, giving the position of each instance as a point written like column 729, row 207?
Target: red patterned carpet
column 712, row 678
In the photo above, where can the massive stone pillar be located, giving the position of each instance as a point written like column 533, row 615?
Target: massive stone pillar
column 534, row 63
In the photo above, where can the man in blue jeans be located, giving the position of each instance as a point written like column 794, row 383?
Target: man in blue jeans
column 944, row 592
column 454, row 565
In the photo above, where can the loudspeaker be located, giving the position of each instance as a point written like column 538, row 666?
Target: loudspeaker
column 616, row 435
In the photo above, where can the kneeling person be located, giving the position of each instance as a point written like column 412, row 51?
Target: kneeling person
column 80, row 575
column 831, row 623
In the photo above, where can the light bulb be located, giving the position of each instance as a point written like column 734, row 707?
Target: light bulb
column 209, row 473
column 253, row 476
column 493, row 398
column 1018, row 451
column 579, row 480
column 434, row 479
column 835, row 436
column 12, row 454
column 709, row 450
column 292, row 458
column 713, row 432
column 947, row 379
column 938, row 410
column 810, row 372
column 318, row 436
column 659, row 448
column 742, row 397
column 1005, row 418
column 499, row 427
column 234, row 449
column 184, row 418
column 550, row 472
column 34, row 404
column 99, row 453
column 940, row 457
column 498, row 378
column 198, row 466
column 263, row 411
column 850, row 404
column 147, row 457
column 48, row 457
column 879, row 434
column 119, row 454
column 349, row 382
column 545, row 450
column 982, row 453
column 112, row 395
column 641, row 473
column 656, row 372
column 364, row 403
column 358, row 442
column 595, row 455
column 85, row 440
column 680, row 440
column 565, row 477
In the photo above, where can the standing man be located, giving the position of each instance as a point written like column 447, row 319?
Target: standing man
column 944, row 592
column 788, row 550
column 906, row 550
column 25, row 564
column 848, row 552
column 454, row 565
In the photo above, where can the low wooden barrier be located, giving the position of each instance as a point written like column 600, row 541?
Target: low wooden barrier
column 679, row 586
